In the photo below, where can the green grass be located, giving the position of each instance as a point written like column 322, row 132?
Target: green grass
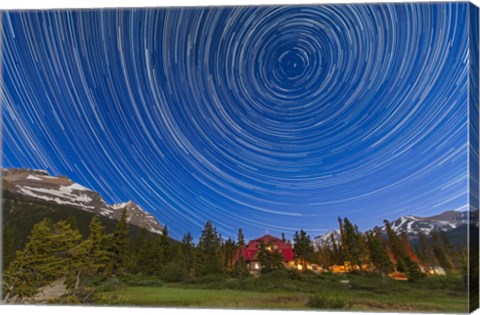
column 171, row 296
column 293, row 291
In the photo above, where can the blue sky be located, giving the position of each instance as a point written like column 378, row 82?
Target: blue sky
column 265, row 118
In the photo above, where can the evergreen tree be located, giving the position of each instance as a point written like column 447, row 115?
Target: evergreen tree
column 140, row 252
column 451, row 253
column 403, row 254
column 240, row 238
column 426, row 252
column 43, row 259
column 229, row 249
column 165, row 248
column 353, row 247
column 209, row 251
column 8, row 246
column 72, row 221
column 324, row 256
column 336, row 253
column 269, row 258
column 119, row 246
column 240, row 269
column 440, row 252
column 188, row 252
column 378, row 254
column 304, row 251
column 396, row 248
column 412, row 269
column 155, row 257
column 88, row 259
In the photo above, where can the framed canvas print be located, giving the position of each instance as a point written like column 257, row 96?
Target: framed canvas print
column 302, row 157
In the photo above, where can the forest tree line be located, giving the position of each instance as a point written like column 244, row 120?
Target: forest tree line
column 390, row 252
column 58, row 251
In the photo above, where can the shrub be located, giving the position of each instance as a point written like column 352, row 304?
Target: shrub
column 140, row 280
column 207, row 279
column 281, row 274
column 326, row 302
column 111, row 284
column 173, row 272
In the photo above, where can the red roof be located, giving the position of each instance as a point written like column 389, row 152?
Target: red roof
column 249, row 252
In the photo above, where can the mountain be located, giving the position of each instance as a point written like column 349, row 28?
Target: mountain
column 413, row 225
column 452, row 223
column 326, row 239
column 38, row 185
column 138, row 217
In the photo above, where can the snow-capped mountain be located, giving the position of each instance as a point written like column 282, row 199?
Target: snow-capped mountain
column 413, row 225
column 39, row 185
column 139, row 217
column 326, row 239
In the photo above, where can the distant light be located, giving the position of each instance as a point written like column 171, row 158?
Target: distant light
column 299, row 267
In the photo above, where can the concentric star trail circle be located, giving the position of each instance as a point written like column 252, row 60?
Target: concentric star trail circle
column 278, row 118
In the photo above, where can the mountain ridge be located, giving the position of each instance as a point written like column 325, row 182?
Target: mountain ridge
column 61, row 190
column 448, row 221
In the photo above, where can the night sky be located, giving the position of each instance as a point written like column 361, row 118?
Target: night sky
column 265, row 118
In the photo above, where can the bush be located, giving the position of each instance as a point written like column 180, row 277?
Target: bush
column 173, row 272
column 140, row 280
column 326, row 302
column 281, row 274
column 111, row 284
column 207, row 279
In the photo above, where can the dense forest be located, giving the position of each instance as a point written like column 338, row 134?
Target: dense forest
column 57, row 250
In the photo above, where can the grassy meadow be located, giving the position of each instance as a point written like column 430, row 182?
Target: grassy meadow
column 290, row 290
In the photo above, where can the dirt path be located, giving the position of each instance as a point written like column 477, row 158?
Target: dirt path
column 52, row 291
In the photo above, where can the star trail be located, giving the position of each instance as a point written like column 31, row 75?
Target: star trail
column 266, row 118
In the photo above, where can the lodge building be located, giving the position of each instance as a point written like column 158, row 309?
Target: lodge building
column 250, row 251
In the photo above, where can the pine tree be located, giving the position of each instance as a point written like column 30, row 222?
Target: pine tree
column 304, row 251
column 119, row 246
column 403, row 254
column 378, row 254
column 240, row 269
column 43, row 259
column 396, row 248
column 353, row 247
column 154, row 257
column 440, row 252
column 362, row 253
column 240, row 238
column 426, row 252
column 140, row 252
column 324, row 256
column 336, row 251
column 72, row 221
column 413, row 271
column 165, row 248
column 229, row 250
column 209, row 251
column 188, row 252
column 269, row 258
column 88, row 259
column 8, row 246
column 455, row 259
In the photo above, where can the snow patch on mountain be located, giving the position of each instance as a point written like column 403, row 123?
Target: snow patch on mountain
column 33, row 177
column 326, row 239
column 38, row 184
